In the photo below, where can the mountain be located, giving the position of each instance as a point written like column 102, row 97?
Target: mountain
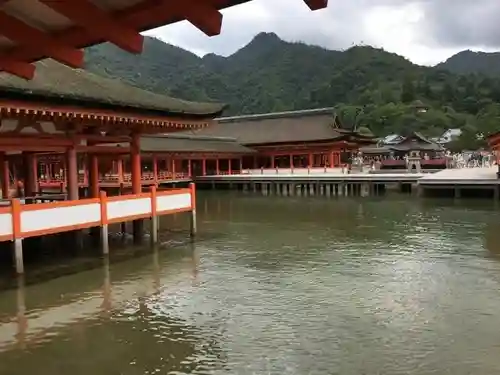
column 369, row 86
column 468, row 62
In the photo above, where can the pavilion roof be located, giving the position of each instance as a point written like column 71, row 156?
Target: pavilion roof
column 281, row 127
column 177, row 143
column 416, row 141
column 56, row 82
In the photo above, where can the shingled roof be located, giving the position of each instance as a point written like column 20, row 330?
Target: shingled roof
column 184, row 143
column 56, row 82
column 281, row 127
column 416, row 141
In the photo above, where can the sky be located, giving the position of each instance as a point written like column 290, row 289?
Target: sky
column 424, row 31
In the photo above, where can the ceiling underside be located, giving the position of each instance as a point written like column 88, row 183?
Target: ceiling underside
column 31, row 30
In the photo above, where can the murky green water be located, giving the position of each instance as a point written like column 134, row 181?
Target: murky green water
column 278, row 286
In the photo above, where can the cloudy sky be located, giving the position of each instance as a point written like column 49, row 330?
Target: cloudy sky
column 425, row 31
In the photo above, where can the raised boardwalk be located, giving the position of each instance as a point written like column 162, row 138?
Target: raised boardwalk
column 463, row 176
column 334, row 181
column 304, row 175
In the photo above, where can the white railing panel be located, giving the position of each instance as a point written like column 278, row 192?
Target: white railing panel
column 128, row 207
column 173, row 202
column 5, row 224
column 59, row 217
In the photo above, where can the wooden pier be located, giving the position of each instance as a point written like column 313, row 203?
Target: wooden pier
column 336, row 181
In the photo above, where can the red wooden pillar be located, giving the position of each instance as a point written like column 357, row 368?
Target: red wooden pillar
column 217, row 167
column 310, row 160
column 189, row 168
column 229, row 166
column 204, row 167
column 172, row 163
column 291, row 161
column 331, row 162
column 93, row 169
column 5, row 175
column 135, row 164
column 119, row 169
column 30, row 173
column 272, row 161
column 135, row 168
column 240, row 168
column 155, row 169
column 72, row 173
column 255, row 162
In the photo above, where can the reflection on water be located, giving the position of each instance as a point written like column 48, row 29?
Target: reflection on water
column 277, row 286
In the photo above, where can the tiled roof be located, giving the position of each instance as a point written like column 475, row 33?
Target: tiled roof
column 282, row 127
column 174, row 143
column 54, row 81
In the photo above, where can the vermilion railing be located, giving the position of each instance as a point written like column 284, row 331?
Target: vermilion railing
column 19, row 220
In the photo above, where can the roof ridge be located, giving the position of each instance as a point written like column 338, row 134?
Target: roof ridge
column 273, row 115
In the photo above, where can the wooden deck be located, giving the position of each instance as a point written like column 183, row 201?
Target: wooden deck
column 463, row 176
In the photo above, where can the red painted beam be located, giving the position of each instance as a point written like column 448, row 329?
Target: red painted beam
column 17, row 68
column 200, row 13
column 98, row 23
column 37, row 40
column 316, row 4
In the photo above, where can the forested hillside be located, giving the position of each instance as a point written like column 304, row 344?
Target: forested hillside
column 375, row 88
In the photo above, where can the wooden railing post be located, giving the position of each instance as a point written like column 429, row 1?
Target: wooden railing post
column 192, row 188
column 15, row 205
column 104, row 222
column 154, row 217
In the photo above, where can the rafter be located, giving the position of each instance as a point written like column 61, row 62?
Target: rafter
column 145, row 15
column 202, row 15
column 98, row 23
column 17, row 68
column 316, row 4
column 24, row 34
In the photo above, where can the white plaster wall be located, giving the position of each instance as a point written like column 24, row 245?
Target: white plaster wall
column 58, row 217
column 5, row 224
column 173, row 202
column 129, row 207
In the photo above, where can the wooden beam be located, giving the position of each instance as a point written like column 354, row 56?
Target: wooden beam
column 98, row 23
column 103, row 149
column 201, row 14
column 24, row 34
column 145, row 15
column 17, row 68
column 316, row 4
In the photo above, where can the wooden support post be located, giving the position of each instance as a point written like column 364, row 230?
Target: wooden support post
column 30, row 173
column 5, row 175
column 190, row 169
column 204, row 167
column 72, row 173
column 229, row 167
column 193, row 228
column 272, row 161
column 17, row 239
column 331, row 162
column 310, row 161
column 119, row 170
column 93, row 175
column 104, row 223
column 155, row 169
column 135, row 167
column 154, row 217
column 217, row 170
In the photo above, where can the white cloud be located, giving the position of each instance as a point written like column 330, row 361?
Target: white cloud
column 425, row 31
